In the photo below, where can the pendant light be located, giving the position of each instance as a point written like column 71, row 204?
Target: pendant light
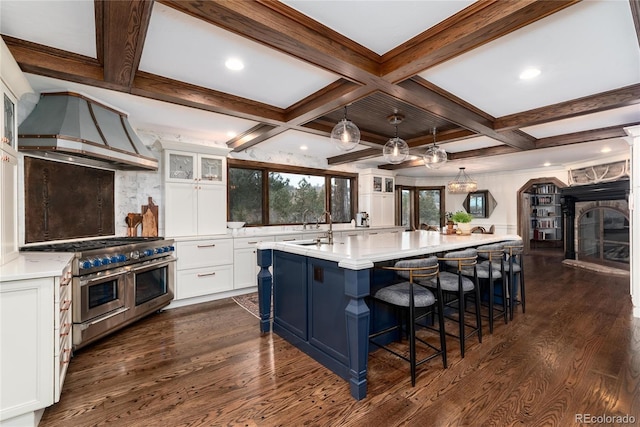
column 462, row 184
column 345, row 134
column 435, row 156
column 396, row 150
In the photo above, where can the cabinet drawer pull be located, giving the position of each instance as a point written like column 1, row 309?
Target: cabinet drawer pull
column 67, row 329
column 371, row 234
column 288, row 240
column 206, row 274
column 213, row 245
column 253, row 243
column 66, row 356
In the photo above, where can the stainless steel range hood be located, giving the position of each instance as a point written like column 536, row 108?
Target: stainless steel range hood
column 72, row 127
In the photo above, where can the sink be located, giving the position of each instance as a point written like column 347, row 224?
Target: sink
column 313, row 243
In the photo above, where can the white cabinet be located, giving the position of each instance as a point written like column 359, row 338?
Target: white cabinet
column 245, row 262
column 204, row 267
column 35, row 325
column 376, row 196
column 195, row 189
column 8, row 179
column 381, row 208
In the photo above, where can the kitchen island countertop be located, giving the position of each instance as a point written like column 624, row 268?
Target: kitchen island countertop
column 321, row 291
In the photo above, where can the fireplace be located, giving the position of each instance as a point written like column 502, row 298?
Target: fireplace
column 597, row 223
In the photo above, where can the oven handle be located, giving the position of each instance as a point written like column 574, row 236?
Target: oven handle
column 160, row 263
column 85, row 280
column 84, row 326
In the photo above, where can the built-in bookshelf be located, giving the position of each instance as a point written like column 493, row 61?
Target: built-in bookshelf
column 546, row 215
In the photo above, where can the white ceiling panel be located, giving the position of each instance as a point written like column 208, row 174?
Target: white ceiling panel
column 291, row 141
column 588, row 48
column 604, row 119
column 195, row 52
column 470, row 144
column 72, row 22
column 379, row 25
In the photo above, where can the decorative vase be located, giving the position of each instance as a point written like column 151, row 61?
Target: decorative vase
column 464, row 228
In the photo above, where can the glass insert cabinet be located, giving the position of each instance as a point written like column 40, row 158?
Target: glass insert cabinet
column 182, row 167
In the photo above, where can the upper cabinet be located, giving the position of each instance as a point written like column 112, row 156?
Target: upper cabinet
column 9, row 121
column 189, row 167
column 195, row 179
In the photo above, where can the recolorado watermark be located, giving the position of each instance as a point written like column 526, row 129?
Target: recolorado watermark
column 605, row 419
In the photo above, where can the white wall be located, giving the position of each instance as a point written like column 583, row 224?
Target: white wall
column 504, row 188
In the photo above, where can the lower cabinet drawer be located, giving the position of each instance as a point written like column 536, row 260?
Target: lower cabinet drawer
column 203, row 281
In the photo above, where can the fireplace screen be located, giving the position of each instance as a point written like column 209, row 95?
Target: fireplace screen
column 603, row 236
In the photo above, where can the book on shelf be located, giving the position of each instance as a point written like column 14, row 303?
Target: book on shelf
column 546, row 189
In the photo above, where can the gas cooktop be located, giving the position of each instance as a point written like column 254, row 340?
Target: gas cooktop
column 88, row 245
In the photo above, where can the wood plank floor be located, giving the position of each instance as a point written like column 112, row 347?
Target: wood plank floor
column 575, row 351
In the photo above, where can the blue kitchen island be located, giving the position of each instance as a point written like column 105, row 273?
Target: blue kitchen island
column 320, row 291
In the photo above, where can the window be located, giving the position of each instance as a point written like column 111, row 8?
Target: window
column 420, row 205
column 270, row 194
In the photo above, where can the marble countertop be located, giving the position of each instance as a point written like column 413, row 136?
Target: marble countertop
column 360, row 252
column 284, row 231
column 35, row 265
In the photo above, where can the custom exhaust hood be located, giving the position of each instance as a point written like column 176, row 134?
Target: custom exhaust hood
column 72, row 127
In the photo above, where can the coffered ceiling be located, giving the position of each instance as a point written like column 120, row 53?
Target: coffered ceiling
column 452, row 65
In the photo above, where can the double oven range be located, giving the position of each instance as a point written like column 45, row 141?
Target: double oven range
column 116, row 281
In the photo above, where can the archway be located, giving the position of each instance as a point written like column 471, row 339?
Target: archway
column 524, row 207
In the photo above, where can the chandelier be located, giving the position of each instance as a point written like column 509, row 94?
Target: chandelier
column 345, row 134
column 435, row 156
column 396, row 150
column 462, row 184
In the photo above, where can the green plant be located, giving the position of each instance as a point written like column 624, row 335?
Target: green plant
column 461, row 216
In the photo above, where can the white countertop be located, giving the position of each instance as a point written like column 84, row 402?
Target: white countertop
column 283, row 231
column 360, row 252
column 35, row 265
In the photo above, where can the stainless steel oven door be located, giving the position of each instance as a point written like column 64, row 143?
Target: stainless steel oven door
column 151, row 286
column 98, row 294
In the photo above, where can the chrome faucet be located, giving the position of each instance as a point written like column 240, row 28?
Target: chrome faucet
column 304, row 219
column 330, row 232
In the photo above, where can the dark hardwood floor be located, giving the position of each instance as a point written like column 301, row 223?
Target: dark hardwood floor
column 575, row 351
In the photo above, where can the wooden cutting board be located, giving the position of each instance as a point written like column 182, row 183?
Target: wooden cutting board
column 149, row 219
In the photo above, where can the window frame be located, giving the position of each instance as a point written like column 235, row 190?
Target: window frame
column 267, row 168
column 414, row 215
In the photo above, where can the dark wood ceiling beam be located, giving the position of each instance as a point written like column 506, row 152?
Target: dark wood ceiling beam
column 254, row 136
column 629, row 95
column 50, row 62
column 164, row 89
column 474, row 26
column 354, row 156
column 481, row 152
column 122, row 33
column 585, row 136
column 265, row 23
column 332, row 97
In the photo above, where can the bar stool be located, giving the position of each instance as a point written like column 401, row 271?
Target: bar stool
column 458, row 286
column 514, row 267
column 491, row 269
column 419, row 301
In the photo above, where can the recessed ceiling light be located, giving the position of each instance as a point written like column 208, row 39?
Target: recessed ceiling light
column 231, row 134
column 234, row 64
column 606, row 150
column 529, row 73
column 303, row 147
column 546, row 164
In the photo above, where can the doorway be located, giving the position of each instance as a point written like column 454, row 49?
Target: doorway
column 540, row 221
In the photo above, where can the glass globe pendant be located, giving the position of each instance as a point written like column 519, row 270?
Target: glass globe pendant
column 396, row 150
column 435, row 156
column 345, row 134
